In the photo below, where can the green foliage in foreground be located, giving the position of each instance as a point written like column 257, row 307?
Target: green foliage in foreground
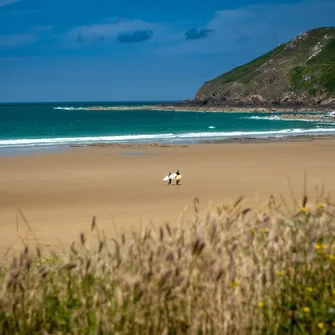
column 231, row 271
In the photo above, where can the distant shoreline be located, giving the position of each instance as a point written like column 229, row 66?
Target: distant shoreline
column 312, row 113
column 249, row 109
column 189, row 107
column 244, row 108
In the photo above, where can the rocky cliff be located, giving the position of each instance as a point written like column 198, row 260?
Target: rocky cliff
column 300, row 72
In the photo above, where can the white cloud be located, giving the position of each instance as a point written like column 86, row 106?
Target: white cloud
column 4, row 3
column 109, row 29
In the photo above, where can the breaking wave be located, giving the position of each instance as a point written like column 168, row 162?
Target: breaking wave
column 270, row 118
column 278, row 118
column 169, row 137
column 69, row 108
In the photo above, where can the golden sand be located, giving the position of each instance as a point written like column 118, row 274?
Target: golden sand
column 59, row 193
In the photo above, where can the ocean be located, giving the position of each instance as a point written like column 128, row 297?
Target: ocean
column 27, row 126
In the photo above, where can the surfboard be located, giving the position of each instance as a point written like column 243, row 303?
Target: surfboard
column 173, row 176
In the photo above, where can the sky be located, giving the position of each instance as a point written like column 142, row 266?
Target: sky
column 130, row 50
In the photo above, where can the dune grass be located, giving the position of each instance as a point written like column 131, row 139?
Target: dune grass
column 231, row 270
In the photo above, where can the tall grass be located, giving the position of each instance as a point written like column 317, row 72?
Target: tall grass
column 231, row 270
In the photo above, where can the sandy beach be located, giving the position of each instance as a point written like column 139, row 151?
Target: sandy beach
column 60, row 192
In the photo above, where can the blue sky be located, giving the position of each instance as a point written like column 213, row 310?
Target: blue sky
column 108, row 50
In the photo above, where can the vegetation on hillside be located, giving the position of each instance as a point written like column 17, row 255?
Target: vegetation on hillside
column 232, row 270
column 319, row 71
column 245, row 73
column 301, row 71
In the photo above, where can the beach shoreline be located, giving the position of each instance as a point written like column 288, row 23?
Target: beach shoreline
column 41, row 150
column 269, row 140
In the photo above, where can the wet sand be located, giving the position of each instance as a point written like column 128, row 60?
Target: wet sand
column 60, row 192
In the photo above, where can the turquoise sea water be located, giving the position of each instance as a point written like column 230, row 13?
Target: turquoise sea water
column 59, row 124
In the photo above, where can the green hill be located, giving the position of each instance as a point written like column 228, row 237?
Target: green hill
column 300, row 72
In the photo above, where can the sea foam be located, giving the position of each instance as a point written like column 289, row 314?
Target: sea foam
column 68, row 108
column 270, row 118
column 162, row 137
column 277, row 118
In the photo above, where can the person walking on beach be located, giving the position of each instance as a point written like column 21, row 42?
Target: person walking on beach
column 170, row 180
column 178, row 174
